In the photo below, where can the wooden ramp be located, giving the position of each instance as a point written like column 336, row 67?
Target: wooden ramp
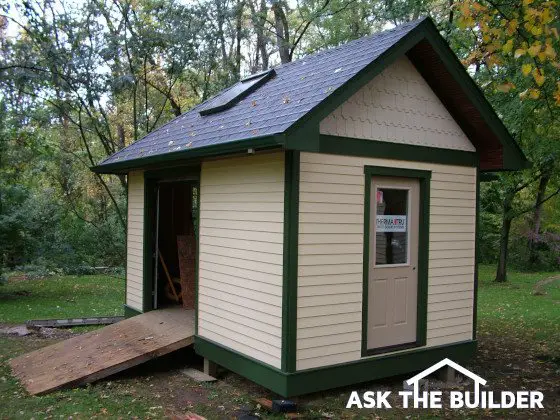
column 98, row 354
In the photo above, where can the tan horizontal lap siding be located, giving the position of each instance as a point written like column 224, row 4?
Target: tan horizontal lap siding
column 330, row 256
column 241, row 254
column 135, row 241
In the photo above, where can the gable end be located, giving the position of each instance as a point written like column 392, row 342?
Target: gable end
column 397, row 106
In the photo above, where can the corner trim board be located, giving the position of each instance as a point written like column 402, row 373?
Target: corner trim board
column 149, row 209
column 290, row 260
column 476, row 253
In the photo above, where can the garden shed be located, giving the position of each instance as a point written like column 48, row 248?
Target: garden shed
column 320, row 217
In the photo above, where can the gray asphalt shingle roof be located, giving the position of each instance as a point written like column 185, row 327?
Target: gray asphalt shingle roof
column 297, row 88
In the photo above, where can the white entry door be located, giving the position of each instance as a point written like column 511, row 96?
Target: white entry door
column 393, row 259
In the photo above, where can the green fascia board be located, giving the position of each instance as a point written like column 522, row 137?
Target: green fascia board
column 187, row 156
column 291, row 384
column 513, row 156
column 359, row 80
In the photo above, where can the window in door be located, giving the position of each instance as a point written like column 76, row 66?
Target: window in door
column 391, row 226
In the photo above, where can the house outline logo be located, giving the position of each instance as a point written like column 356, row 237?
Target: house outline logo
column 446, row 362
column 457, row 399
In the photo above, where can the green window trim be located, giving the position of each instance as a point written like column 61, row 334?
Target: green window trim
column 423, row 252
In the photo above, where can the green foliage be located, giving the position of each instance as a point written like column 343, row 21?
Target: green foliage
column 50, row 214
column 547, row 250
column 40, row 230
column 79, row 83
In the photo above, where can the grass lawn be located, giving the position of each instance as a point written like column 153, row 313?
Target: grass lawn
column 517, row 306
column 61, row 297
column 518, row 335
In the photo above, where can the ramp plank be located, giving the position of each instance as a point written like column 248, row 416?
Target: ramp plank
column 98, row 354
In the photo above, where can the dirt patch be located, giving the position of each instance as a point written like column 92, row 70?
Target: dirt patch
column 22, row 330
column 15, row 295
column 17, row 330
column 538, row 288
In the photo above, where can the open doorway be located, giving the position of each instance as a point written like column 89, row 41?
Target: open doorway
column 175, row 240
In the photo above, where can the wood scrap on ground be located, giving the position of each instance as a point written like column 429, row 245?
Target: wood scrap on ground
column 73, row 322
column 197, row 375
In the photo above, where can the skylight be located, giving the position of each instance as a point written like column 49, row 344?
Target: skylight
column 234, row 94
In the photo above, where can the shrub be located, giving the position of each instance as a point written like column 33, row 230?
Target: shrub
column 547, row 251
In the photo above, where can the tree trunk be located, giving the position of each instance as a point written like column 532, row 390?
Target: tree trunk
column 261, row 40
column 221, row 17
column 537, row 214
column 238, row 36
column 282, row 33
column 501, row 272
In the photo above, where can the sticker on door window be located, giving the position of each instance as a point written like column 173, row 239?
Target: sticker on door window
column 391, row 226
column 390, row 223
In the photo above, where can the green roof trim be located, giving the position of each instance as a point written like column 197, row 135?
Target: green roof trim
column 183, row 157
column 513, row 157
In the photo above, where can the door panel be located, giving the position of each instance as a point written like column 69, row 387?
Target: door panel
column 392, row 277
column 379, row 292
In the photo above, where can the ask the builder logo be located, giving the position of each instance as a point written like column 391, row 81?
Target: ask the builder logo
column 457, row 399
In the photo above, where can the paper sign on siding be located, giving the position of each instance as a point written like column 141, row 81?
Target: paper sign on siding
column 390, row 223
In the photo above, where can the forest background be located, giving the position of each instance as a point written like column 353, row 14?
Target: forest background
column 80, row 80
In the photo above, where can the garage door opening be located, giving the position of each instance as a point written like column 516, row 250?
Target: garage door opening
column 175, row 239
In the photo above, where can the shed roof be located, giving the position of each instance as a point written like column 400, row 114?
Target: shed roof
column 306, row 90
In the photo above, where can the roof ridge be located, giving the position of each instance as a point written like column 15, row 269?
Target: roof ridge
column 342, row 45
